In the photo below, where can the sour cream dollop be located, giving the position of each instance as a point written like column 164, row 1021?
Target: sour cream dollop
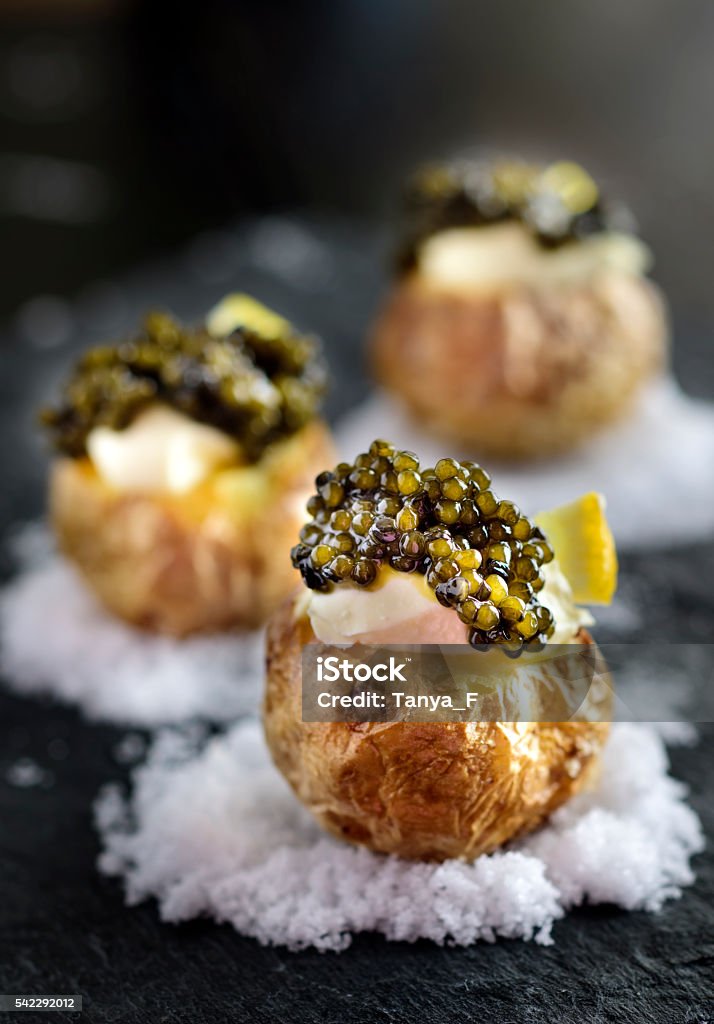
column 160, row 451
column 402, row 608
column 506, row 254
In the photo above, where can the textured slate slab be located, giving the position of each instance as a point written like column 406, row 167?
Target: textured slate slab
column 65, row 929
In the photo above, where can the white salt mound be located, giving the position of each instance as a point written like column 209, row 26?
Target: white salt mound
column 217, row 832
column 55, row 639
column 25, row 773
column 668, row 433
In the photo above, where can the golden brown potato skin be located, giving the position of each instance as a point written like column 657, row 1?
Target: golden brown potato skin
column 427, row 791
column 519, row 371
column 196, row 562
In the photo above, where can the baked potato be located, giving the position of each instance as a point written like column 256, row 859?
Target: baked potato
column 520, row 372
column 186, row 455
column 214, row 558
column 520, row 321
column 428, row 791
column 395, row 553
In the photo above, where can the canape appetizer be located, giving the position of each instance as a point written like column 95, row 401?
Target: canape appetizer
column 397, row 554
column 521, row 320
column 185, row 459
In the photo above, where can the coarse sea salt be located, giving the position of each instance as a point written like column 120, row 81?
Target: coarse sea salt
column 25, row 773
column 624, row 463
column 55, row 639
column 215, row 830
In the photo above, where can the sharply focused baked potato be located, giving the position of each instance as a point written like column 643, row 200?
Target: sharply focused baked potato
column 520, row 371
column 423, row 790
column 213, row 558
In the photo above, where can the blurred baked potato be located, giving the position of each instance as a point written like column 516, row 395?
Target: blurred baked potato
column 519, row 371
column 210, row 559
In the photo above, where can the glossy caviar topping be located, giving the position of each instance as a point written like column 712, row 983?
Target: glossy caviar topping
column 257, row 384
column 557, row 203
column 481, row 556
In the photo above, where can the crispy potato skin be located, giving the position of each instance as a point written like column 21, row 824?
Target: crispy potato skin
column 198, row 562
column 517, row 372
column 426, row 791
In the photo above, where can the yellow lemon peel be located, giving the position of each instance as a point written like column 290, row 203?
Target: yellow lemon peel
column 584, row 546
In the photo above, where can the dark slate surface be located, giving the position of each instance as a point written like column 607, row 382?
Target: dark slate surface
column 65, row 929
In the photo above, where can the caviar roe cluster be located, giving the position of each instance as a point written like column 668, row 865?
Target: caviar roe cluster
column 257, row 384
column 558, row 203
column 481, row 556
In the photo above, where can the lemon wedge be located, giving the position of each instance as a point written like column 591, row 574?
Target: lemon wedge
column 238, row 310
column 584, row 546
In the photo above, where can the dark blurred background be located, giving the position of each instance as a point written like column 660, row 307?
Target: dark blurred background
column 128, row 127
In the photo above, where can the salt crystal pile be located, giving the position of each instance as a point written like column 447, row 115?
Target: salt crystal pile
column 216, row 831
column 55, row 639
column 624, row 463
column 27, row 774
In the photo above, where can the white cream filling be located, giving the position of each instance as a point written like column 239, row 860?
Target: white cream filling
column 160, row 451
column 164, row 451
column 557, row 595
column 347, row 612
column 507, row 254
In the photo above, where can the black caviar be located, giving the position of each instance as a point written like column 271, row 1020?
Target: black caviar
column 558, row 203
column 481, row 555
column 258, row 384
